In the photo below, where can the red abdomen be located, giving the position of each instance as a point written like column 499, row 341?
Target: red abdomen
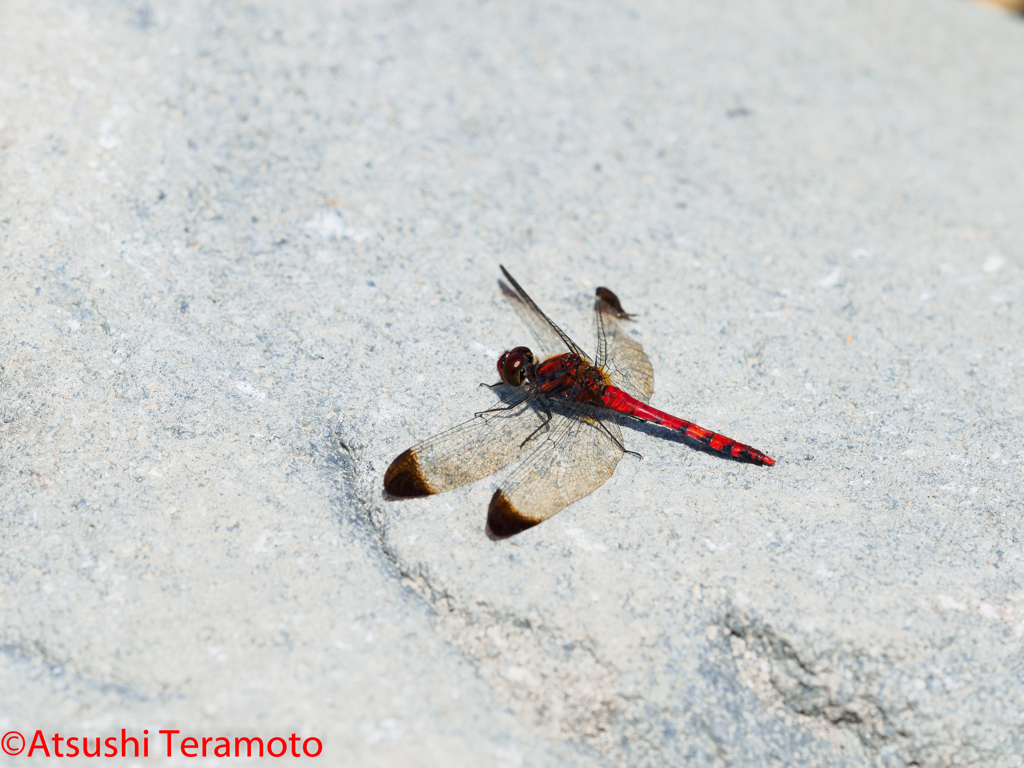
column 622, row 402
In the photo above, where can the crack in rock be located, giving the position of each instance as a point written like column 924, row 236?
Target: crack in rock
column 641, row 710
column 843, row 689
column 40, row 663
column 553, row 680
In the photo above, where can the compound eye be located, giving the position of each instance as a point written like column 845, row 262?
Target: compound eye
column 512, row 366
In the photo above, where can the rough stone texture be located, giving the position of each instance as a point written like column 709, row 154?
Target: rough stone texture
column 248, row 254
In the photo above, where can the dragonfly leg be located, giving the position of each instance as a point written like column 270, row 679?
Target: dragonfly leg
column 492, row 386
column 547, row 421
column 616, row 440
column 503, row 407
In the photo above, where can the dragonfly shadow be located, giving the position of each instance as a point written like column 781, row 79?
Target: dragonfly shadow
column 511, row 396
column 663, row 433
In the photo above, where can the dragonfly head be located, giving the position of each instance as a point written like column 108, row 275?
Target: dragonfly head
column 514, row 364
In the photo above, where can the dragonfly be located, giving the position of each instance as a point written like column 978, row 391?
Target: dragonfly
column 559, row 419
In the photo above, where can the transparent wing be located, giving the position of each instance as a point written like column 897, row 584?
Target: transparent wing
column 468, row 452
column 551, row 339
column 572, row 458
column 618, row 354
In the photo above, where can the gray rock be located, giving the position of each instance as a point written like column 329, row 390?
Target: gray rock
column 249, row 255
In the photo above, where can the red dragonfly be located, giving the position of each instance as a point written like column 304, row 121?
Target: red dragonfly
column 557, row 419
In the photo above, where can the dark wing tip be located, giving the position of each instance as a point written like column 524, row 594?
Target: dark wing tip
column 609, row 303
column 504, row 520
column 403, row 480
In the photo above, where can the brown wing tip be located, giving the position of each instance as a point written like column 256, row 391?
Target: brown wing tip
column 504, row 520
column 609, row 303
column 403, row 480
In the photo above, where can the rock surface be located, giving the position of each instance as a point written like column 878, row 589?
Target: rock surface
column 249, row 253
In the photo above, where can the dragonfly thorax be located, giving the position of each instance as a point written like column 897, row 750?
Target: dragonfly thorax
column 514, row 366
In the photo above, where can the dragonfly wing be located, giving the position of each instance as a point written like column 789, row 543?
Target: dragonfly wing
column 574, row 457
column 551, row 339
column 619, row 355
column 468, row 452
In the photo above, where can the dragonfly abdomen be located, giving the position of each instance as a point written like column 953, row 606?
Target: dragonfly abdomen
column 622, row 402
